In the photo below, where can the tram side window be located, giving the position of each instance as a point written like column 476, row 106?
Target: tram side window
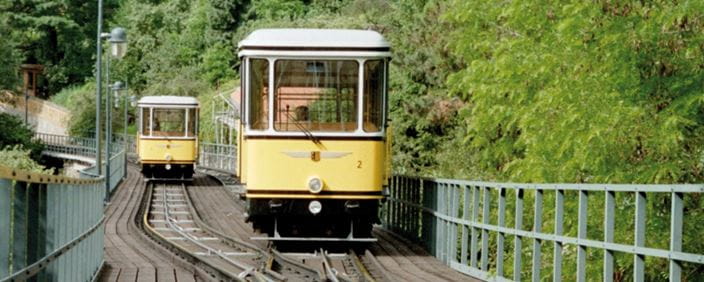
column 146, row 131
column 192, row 118
column 169, row 122
column 259, row 94
column 373, row 95
column 316, row 95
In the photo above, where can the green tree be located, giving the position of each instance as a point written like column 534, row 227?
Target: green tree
column 601, row 92
column 57, row 34
column 583, row 92
column 19, row 158
column 13, row 132
column 10, row 57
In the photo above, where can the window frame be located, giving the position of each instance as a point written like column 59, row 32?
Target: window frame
column 270, row 131
column 151, row 108
column 356, row 93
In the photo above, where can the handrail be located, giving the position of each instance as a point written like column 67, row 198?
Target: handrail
column 460, row 221
column 50, row 226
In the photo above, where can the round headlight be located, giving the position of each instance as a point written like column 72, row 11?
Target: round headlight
column 168, row 157
column 315, row 207
column 315, row 185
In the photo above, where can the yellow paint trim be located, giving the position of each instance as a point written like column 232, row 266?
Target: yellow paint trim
column 345, row 165
column 304, row 196
column 33, row 177
column 166, row 162
column 180, row 150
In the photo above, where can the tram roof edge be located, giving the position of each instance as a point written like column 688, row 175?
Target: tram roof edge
column 168, row 100
column 316, row 39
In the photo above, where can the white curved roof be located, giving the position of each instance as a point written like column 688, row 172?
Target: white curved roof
column 314, row 38
column 168, row 100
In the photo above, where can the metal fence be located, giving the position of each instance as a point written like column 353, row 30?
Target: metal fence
column 68, row 144
column 457, row 221
column 118, row 159
column 218, row 156
column 51, row 227
column 129, row 140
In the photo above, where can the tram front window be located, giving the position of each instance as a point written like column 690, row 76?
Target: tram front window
column 315, row 95
column 169, row 122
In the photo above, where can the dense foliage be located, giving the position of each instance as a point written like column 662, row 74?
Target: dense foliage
column 18, row 149
column 59, row 34
column 588, row 92
column 13, row 132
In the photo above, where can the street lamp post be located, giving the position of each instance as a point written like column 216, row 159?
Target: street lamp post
column 118, row 47
column 132, row 99
column 98, row 88
column 119, row 90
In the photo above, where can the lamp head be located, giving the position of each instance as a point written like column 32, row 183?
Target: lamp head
column 118, row 42
column 118, row 86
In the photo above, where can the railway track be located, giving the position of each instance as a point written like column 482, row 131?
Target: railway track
column 170, row 221
column 392, row 258
column 129, row 254
column 316, row 265
column 173, row 232
column 174, row 222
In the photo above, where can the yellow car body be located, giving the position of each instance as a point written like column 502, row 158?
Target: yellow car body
column 281, row 168
column 163, row 151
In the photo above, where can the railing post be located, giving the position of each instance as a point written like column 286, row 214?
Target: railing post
column 500, row 236
column 5, row 230
column 52, row 225
column 37, row 221
column 447, row 225
column 609, row 222
column 517, row 239
column 21, row 226
column 63, row 223
column 559, row 219
column 639, row 240
column 465, row 228
column 418, row 212
column 440, row 232
column 485, row 232
column 676, row 215
column 454, row 205
column 474, row 248
column 537, row 228
column 582, row 234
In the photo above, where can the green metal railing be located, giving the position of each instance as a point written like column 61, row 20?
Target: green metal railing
column 464, row 224
column 218, row 156
column 51, row 227
column 68, row 144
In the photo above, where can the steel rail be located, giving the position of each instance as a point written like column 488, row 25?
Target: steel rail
column 198, row 220
column 171, row 223
column 363, row 271
column 330, row 272
column 283, row 260
column 160, row 239
column 234, row 242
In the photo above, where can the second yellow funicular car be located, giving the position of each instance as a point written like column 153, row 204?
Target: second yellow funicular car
column 313, row 146
column 167, row 143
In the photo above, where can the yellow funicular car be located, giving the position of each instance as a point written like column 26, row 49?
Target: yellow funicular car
column 168, row 137
column 313, row 146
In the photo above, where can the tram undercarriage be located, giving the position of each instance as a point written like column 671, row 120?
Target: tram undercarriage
column 293, row 220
